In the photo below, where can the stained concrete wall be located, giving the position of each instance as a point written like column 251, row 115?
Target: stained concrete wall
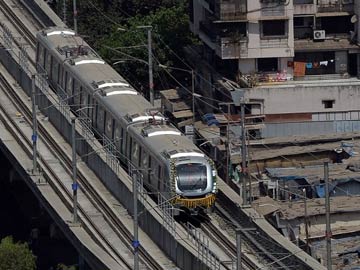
column 307, row 98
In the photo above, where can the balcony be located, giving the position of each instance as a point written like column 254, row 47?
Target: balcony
column 302, row 7
column 275, row 42
column 340, row 6
column 230, row 48
column 227, row 42
column 272, row 9
column 231, row 10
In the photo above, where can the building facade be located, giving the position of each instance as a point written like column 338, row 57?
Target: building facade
column 297, row 60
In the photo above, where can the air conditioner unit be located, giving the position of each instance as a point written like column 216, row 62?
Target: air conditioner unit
column 319, row 34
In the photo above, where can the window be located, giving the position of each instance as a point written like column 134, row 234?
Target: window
column 108, row 125
column 69, row 87
column 267, row 64
column 135, row 151
column 117, row 137
column 273, row 28
column 328, row 104
column 76, row 98
column 55, row 71
column 100, row 119
column 48, row 63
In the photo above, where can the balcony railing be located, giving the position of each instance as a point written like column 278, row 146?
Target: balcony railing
column 278, row 42
column 230, row 48
column 271, row 9
column 341, row 6
column 231, row 10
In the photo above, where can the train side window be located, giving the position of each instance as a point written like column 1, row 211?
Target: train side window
column 145, row 161
column 55, row 71
column 43, row 59
column 48, row 64
column 150, row 172
column 129, row 139
column 58, row 74
column 140, row 156
column 135, row 151
column 100, row 119
column 38, row 53
column 61, row 78
column 81, row 97
column 94, row 112
column 69, row 87
column 123, row 141
column 108, row 126
column 76, row 95
column 65, row 82
column 117, row 136
column 156, row 176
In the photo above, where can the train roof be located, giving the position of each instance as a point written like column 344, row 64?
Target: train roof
column 173, row 145
column 116, row 94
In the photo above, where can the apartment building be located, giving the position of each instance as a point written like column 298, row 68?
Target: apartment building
column 297, row 61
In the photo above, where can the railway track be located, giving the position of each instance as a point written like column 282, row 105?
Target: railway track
column 63, row 192
column 108, row 213
column 267, row 251
column 218, row 237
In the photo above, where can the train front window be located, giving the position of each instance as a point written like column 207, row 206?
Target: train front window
column 191, row 176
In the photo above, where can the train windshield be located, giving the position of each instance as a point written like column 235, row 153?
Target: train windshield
column 191, row 176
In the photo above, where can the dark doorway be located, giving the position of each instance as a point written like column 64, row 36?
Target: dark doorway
column 353, row 62
column 267, row 64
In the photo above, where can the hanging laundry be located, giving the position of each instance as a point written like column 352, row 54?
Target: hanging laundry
column 316, row 64
column 324, row 63
column 299, row 68
column 309, row 65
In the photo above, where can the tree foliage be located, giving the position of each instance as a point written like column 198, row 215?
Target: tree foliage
column 16, row 256
column 99, row 23
column 65, row 267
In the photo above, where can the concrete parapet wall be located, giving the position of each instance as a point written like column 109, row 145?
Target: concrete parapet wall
column 180, row 251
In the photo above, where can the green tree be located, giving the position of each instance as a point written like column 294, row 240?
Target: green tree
column 64, row 267
column 99, row 22
column 16, row 256
column 170, row 30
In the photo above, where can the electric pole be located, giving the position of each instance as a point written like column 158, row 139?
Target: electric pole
column 35, row 128
column 151, row 78
column 238, row 245
column 135, row 242
column 243, row 152
column 64, row 11
column 306, row 222
column 328, row 233
column 75, row 16
column 228, row 152
column 74, row 175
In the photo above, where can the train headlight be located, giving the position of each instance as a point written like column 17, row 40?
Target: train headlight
column 214, row 187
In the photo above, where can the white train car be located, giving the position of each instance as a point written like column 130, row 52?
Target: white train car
column 170, row 162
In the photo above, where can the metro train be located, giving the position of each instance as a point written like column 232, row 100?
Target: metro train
column 170, row 162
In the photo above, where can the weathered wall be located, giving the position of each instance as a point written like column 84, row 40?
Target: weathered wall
column 306, row 98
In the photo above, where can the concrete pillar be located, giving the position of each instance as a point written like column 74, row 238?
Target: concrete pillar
column 357, row 27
